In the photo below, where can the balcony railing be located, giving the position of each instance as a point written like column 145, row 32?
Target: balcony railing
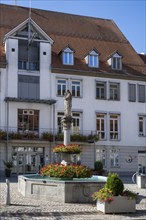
column 25, row 65
column 45, row 135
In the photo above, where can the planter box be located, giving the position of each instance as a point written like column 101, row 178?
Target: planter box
column 121, row 204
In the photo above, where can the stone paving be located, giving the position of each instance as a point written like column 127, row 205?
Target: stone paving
column 21, row 208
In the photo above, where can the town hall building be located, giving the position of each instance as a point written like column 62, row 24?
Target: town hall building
column 44, row 55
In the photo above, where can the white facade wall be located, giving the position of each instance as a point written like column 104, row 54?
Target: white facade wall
column 130, row 142
column 45, row 66
column 90, row 105
column 12, row 67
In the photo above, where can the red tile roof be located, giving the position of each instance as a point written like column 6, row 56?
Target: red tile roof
column 82, row 33
column 143, row 57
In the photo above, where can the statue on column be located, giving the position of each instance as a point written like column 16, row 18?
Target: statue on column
column 67, row 103
column 67, row 118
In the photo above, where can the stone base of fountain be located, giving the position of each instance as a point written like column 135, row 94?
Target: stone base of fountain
column 63, row 191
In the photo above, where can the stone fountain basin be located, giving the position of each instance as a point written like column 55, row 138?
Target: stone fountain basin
column 63, row 191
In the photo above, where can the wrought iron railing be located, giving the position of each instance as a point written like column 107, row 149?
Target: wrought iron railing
column 45, row 134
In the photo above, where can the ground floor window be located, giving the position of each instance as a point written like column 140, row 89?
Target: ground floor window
column 76, row 125
column 101, row 156
column 114, row 158
column 27, row 159
column 28, row 120
column 142, row 162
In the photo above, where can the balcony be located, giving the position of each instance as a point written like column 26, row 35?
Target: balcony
column 25, row 65
column 45, row 135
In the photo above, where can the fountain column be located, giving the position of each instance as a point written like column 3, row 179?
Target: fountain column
column 67, row 118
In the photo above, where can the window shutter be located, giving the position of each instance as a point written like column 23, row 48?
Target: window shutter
column 132, row 92
column 141, row 93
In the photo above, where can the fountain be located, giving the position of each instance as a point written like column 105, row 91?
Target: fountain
column 75, row 190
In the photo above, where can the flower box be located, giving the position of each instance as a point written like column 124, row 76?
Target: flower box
column 120, row 204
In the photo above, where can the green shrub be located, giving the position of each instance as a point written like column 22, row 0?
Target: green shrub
column 47, row 136
column 78, row 137
column 98, row 166
column 115, row 184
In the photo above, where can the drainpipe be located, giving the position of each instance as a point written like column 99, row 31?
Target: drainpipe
column 7, row 131
column 53, row 123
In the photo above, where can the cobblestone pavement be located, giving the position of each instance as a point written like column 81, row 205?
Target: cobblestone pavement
column 21, row 208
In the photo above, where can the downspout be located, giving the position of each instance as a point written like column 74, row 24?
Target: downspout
column 7, row 131
column 7, row 103
column 53, row 123
column 53, row 127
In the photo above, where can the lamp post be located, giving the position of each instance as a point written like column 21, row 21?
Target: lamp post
column 92, row 141
column 94, row 149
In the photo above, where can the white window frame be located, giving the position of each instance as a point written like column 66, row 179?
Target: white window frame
column 68, row 57
column 114, row 158
column 61, row 84
column 116, row 62
column 101, row 155
column 59, row 125
column 93, row 59
column 77, row 88
column 115, row 95
column 114, row 134
column 77, row 122
column 101, row 118
column 101, row 85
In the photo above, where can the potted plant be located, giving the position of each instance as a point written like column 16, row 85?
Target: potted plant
column 112, row 198
column 8, row 167
column 98, row 167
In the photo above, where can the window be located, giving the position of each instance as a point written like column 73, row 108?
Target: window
column 114, row 126
column 28, row 87
column 114, row 158
column 28, row 55
column 141, row 93
column 59, row 124
column 142, row 125
column 101, row 156
column 93, row 59
column 114, row 91
column 28, row 120
column 61, row 86
column 76, row 88
column 68, row 58
column 100, row 126
column 116, row 63
column 100, row 90
column 76, row 125
column 132, row 92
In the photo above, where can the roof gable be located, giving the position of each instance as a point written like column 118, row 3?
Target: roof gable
column 27, row 29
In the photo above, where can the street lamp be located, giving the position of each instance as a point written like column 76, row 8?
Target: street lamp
column 94, row 138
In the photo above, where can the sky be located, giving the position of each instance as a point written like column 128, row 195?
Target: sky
column 129, row 15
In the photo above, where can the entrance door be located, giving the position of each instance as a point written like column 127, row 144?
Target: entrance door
column 142, row 163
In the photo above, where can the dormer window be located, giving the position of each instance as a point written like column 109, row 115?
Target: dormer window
column 68, row 58
column 92, row 59
column 116, row 64
column 115, row 61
